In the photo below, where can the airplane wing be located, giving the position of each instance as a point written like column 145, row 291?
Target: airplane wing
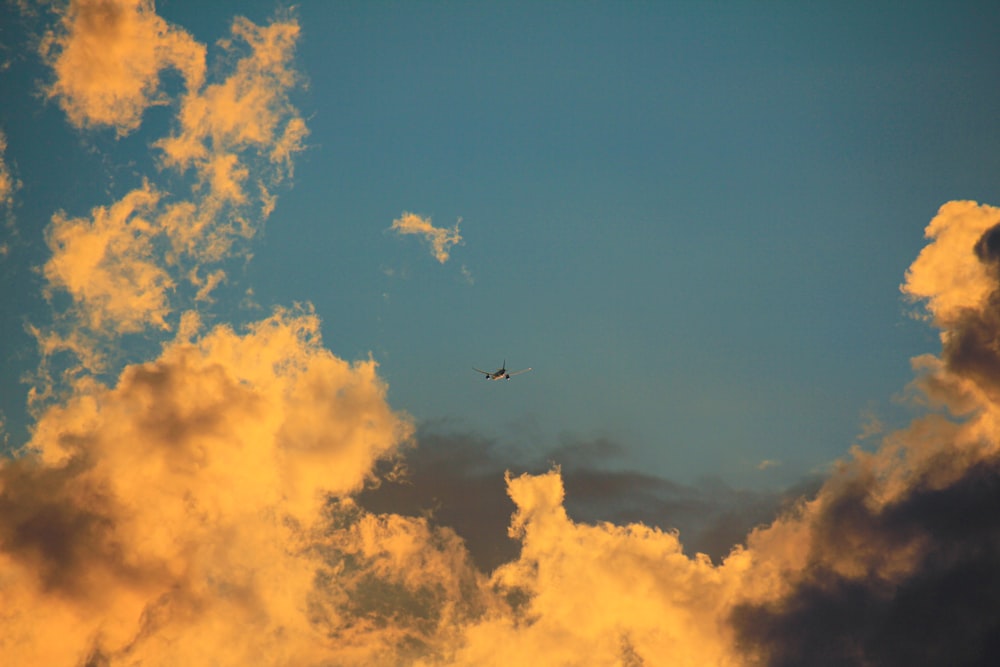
column 479, row 371
column 523, row 370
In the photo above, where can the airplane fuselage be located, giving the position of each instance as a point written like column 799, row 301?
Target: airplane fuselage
column 501, row 373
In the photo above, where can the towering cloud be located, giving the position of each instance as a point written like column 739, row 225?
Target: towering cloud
column 601, row 594
column 165, row 518
column 895, row 561
column 440, row 239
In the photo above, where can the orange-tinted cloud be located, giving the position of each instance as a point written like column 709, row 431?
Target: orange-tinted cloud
column 8, row 184
column 163, row 520
column 125, row 265
column 601, row 594
column 947, row 273
column 248, row 112
column 894, row 561
column 440, row 239
column 108, row 265
column 107, row 56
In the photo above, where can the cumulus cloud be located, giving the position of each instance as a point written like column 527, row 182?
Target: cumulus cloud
column 455, row 479
column 107, row 56
column 162, row 520
column 894, row 561
column 239, row 460
column 601, row 594
column 909, row 582
column 947, row 274
column 441, row 239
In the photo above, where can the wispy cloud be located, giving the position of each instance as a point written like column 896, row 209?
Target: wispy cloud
column 139, row 262
column 441, row 239
column 248, row 113
column 8, row 183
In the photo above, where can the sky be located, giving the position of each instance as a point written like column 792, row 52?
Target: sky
column 250, row 254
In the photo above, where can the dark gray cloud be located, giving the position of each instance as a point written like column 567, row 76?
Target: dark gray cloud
column 57, row 523
column 971, row 349
column 457, row 480
column 943, row 611
column 916, row 580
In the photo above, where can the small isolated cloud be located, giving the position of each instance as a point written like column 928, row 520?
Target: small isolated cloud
column 107, row 56
column 768, row 463
column 467, row 275
column 440, row 239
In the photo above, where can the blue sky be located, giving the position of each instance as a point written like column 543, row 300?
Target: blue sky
column 691, row 219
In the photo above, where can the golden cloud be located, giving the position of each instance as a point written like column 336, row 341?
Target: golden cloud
column 107, row 56
column 124, row 265
column 108, row 266
column 8, row 184
column 249, row 110
column 601, row 594
column 156, row 521
column 947, row 273
column 440, row 239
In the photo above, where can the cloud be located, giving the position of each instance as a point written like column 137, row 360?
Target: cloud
column 107, row 56
column 156, row 521
column 106, row 263
column 248, row 113
column 946, row 274
column 600, row 594
column 209, row 506
column 455, row 480
column 921, row 589
column 131, row 267
column 440, row 239
column 8, row 183
column 895, row 560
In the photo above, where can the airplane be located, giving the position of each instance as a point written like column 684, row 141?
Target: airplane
column 500, row 373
